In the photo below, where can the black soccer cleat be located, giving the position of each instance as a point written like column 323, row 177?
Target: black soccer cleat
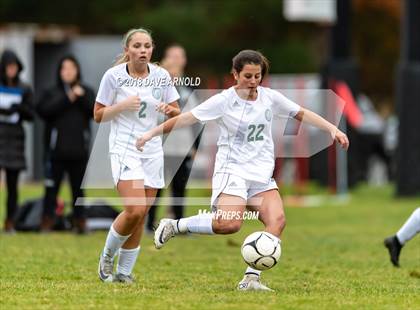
column 394, row 249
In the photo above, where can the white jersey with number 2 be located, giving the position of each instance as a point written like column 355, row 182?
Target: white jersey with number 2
column 126, row 127
column 245, row 144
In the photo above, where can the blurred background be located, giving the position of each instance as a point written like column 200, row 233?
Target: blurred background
column 367, row 51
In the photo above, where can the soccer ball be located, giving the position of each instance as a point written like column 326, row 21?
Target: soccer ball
column 261, row 250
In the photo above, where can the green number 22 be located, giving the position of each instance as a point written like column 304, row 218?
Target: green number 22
column 143, row 106
column 258, row 136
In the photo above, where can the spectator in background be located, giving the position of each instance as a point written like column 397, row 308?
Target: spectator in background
column 15, row 106
column 67, row 109
column 178, row 156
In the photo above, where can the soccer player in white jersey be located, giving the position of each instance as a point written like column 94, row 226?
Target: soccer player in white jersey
column 245, row 157
column 131, row 95
column 395, row 243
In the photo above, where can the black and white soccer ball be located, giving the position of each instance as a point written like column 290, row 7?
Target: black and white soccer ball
column 261, row 250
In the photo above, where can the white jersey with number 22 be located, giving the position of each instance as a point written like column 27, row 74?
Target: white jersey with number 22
column 245, row 144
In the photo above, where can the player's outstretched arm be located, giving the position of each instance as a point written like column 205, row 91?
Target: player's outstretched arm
column 182, row 120
column 307, row 116
column 169, row 109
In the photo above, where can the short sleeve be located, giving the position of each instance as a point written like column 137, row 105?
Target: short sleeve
column 170, row 94
column 283, row 106
column 107, row 88
column 211, row 109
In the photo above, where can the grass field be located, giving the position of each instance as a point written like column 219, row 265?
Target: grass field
column 333, row 257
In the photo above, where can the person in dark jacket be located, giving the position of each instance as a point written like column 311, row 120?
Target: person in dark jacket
column 15, row 106
column 67, row 109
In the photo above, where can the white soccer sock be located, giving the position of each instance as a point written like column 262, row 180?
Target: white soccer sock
column 127, row 259
column 410, row 228
column 252, row 271
column 113, row 242
column 198, row 224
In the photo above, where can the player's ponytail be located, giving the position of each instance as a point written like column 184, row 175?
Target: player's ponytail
column 265, row 66
column 250, row 57
column 123, row 57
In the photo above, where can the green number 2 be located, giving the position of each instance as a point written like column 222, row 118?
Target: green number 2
column 258, row 136
column 143, row 106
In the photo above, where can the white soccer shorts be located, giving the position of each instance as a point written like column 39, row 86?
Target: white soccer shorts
column 235, row 185
column 148, row 169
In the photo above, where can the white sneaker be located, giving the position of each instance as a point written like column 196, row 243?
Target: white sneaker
column 105, row 268
column 164, row 232
column 251, row 282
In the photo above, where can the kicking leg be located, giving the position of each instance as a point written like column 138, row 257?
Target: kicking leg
column 222, row 222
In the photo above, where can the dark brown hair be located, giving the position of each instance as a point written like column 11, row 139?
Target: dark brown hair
column 60, row 66
column 246, row 57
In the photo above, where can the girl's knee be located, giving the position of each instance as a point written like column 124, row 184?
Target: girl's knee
column 276, row 225
column 135, row 214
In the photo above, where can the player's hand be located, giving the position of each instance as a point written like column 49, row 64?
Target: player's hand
column 165, row 108
column 341, row 138
column 71, row 95
column 131, row 103
column 78, row 90
column 141, row 141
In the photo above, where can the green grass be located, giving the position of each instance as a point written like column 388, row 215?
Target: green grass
column 333, row 257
